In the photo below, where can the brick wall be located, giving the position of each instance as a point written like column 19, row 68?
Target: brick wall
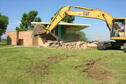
column 24, row 38
column 27, row 37
column 12, row 38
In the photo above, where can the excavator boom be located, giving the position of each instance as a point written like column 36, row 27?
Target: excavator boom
column 85, row 12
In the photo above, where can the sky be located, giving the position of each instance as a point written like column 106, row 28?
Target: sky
column 46, row 9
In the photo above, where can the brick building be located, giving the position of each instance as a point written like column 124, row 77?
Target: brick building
column 26, row 38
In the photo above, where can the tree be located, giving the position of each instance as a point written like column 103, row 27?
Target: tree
column 3, row 24
column 67, row 18
column 27, row 19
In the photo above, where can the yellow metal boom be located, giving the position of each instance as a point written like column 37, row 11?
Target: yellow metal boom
column 86, row 12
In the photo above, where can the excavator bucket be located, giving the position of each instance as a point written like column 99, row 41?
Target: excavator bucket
column 39, row 29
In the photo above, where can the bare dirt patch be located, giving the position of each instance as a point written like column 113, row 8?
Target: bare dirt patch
column 40, row 68
column 95, row 70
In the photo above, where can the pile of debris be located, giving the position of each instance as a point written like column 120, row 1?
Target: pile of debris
column 71, row 45
column 79, row 45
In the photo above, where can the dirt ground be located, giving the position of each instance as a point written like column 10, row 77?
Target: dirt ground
column 40, row 68
column 94, row 70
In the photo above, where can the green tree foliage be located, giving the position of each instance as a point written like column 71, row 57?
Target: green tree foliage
column 3, row 24
column 26, row 20
column 67, row 18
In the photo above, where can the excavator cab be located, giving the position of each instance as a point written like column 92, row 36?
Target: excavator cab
column 118, row 29
column 118, row 34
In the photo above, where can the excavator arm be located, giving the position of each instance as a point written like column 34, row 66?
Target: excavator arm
column 86, row 12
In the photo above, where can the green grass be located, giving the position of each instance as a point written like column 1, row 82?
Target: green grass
column 18, row 64
column 3, row 44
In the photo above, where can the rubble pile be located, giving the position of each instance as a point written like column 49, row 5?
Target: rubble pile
column 71, row 45
column 79, row 45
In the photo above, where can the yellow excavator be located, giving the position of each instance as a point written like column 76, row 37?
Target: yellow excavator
column 116, row 26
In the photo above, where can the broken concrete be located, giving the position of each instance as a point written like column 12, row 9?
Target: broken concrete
column 71, row 45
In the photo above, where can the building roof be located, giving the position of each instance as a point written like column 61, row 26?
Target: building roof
column 68, row 26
